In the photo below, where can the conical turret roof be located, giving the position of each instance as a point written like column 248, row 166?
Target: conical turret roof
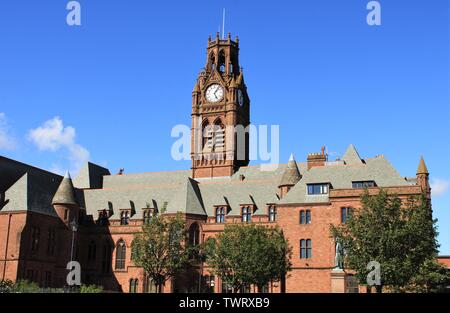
column 66, row 192
column 422, row 169
column 291, row 174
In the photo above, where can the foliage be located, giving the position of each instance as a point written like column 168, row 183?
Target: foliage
column 160, row 249
column 91, row 289
column 25, row 286
column 6, row 286
column 244, row 255
column 400, row 236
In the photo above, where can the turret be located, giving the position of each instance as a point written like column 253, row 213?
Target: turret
column 423, row 177
column 290, row 177
column 65, row 202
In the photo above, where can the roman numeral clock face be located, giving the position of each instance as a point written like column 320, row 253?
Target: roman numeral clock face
column 214, row 93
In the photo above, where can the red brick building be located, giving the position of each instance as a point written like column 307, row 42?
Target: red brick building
column 304, row 198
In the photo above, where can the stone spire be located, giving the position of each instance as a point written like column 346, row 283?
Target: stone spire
column 422, row 169
column 66, row 192
column 291, row 174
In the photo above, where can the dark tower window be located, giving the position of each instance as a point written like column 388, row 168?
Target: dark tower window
column 194, row 235
column 51, row 242
column 305, row 249
column 35, row 236
column 134, row 285
column 222, row 60
column 121, row 251
column 92, row 251
column 345, row 214
column 106, row 258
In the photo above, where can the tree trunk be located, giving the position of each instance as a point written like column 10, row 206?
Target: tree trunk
column 379, row 289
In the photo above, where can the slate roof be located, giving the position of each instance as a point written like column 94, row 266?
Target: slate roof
column 176, row 191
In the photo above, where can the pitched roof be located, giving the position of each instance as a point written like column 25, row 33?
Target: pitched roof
column 351, row 156
column 291, row 174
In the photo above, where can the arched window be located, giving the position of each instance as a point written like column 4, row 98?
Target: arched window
column 222, row 60
column 92, row 251
column 220, row 215
column 149, row 285
column 121, row 251
column 194, row 235
column 134, row 285
column 246, row 214
column 212, row 61
column 124, row 217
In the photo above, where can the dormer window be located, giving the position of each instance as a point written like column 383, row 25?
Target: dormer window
column 247, row 214
column 125, row 217
column 148, row 215
column 318, row 189
column 102, row 217
column 220, row 214
column 272, row 213
column 363, row 184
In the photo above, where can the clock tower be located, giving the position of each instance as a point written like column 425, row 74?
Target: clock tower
column 220, row 113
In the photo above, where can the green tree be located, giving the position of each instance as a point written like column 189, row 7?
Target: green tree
column 400, row 236
column 160, row 249
column 244, row 255
column 91, row 289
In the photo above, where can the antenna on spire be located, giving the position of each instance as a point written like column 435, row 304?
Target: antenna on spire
column 223, row 24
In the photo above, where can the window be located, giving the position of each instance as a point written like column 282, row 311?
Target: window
column 35, row 236
column 124, row 217
column 148, row 215
column 208, row 282
column 194, row 235
column 363, row 184
column 305, row 249
column 121, row 251
column 317, row 189
column 48, row 279
column 305, row 217
column 220, row 215
column 149, row 285
column 102, row 218
column 92, row 251
column 134, row 285
column 246, row 214
column 66, row 214
column 226, row 288
column 51, row 242
column 345, row 214
column 272, row 213
column 106, row 259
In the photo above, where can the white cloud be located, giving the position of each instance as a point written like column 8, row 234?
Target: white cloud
column 53, row 136
column 7, row 142
column 439, row 187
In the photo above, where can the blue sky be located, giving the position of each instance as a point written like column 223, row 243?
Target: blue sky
column 112, row 89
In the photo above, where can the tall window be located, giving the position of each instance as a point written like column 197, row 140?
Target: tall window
column 194, row 235
column 48, row 279
column 149, row 286
column 305, row 249
column 134, row 285
column 220, row 215
column 345, row 214
column 208, row 282
column 317, row 189
column 106, row 258
column 272, row 213
column 305, row 217
column 124, row 217
column 121, row 251
column 51, row 242
column 35, row 236
column 246, row 214
column 92, row 251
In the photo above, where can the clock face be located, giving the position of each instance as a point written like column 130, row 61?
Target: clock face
column 240, row 98
column 214, row 93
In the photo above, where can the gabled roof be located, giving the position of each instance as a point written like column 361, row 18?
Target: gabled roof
column 90, row 176
column 187, row 199
column 351, row 156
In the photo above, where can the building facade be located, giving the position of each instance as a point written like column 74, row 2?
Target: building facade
column 38, row 209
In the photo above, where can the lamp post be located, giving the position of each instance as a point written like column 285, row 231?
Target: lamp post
column 74, row 227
